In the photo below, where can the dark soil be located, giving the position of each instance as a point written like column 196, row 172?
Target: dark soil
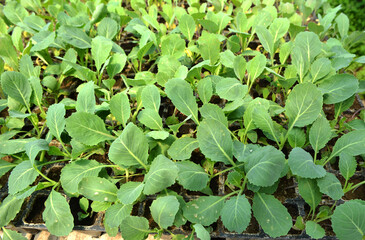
column 286, row 189
column 75, row 208
column 37, row 208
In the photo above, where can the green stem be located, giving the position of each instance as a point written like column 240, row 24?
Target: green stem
column 57, row 161
column 355, row 186
column 227, row 169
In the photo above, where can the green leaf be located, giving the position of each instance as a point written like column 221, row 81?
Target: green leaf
column 161, row 175
column 226, row 58
column 151, row 98
column 352, row 143
column 338, row 88
column 296, row 137
column 347, row 165
column 320, row 133
column 309, row 191
column 15, row 12
column 129, row 192
column 205, row 89
column 21, row 177
column 151, row 119
column 173, row 45
column 204, row 210
column 56, row 119
column 301, row 164
column 42, row 40
column 266, row 39
column 187, row 26
column 12, row 235
column 5, row 167
column 320, row 68
column 314, row 230
column 304, row 104
column 308, row 44
column 164, row 209
column 57, row 215
column 284, row 52
column 231, row 89
column 130, row 148
column 115, row 214
column 74, row 36
column 212, row 111
column 192, row 176
column 87, row 128
column 98, row 189
column 181, row 95
column 343, row 24
column 262, row 120
column 236, row 213
column 209, row 47
column 108, row 28
column 86, row 98
column 33, row 148
column 9, row 208
column 272, row 216
column 215, row 141
column 264, row 166
column 181, row 148
column 100, row 50
column 278, row 28
column 120, row 107
column 134, row 228
column 17, row 86
column 116, row 64
column 256, row 66
column 331, row 186
column 201, row 232
column 239, row 67
column 13, row 146
column 36, row 97
column 8, row 52
column 73, row 173
column 348, row 221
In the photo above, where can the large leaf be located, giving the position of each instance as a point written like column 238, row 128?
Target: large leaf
column 314, row 230
column 87, row 128
column 98, row 189
column 108, row 28
column 151, row 98
column 204, row 210
column 320, row 133
column 100, row 50
column 17, row 86
column 15, row 12
column 134, row 228
column 187, row 26
column 129, row 192
column 73, row 173
column 301, row 164
column 56, row 119
column 331, row 186
column 9, row 208
column 161, row 175
column 304, row 104
column 8, row 52
column 262, row 120
column 120, row 107
column 212, row 111
column 116, row 64
column 308, row 44
column 21, row 177
column 172, row 45
column 309, row 191
column 236, row 213
column 181, row 95
column 231, row 89
column 266, row 39
column 130, row 148
column 86, row 99
column 74, row 36
column 57, row 215
column 348, row 220
column 272, row 216
column 181, row 148
column 209, row 47
column 151, row 119
column 164, row 209
column 264, row 166
column 215, row 141
column 320, row 68
column 278, row 28
column 14, row 145
column 352, row 143
column 33, row 148
column 256, row 66
column 115, row 214
column 338, row 88
column 192, row 176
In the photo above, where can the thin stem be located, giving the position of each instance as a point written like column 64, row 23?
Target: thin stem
column 227, row 169
column 355, row 186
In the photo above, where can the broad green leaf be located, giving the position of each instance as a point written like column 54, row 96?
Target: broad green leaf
column 236, row 213
column 116, row 64
column 15, row 12
column 343, row 24
column 256, row 66
column 320, row 133
column 181, row 148
column 33, row 148
column 86, row 98
column 5, row 167
column 98, row 189
column 120, row 107
column 278, row 28
column 151, row 119
column 301, row 164
column 57, row 215
column 209, row 47
column 272, row 216
column 285, row 51
column 264, row 166
column 21, row 177
column 263, row 121
column 158, row 135
column 187, row 26
column 115, row 214
column 320, row 68
column 87, row 128
column 100, row 50
column 201, row 232
column 231, row 89
column 239, row 67
column 9, row 208
column 338, row 88
column 8, row 52
column 235, row 178
column 348, row 221
column 74, row 36
column 36, row 97
column 352, row 143
column 56, row 119
column 304, row 104
column 308, row 44
column 331, row 186
column 181, row 95
column 296, row 137
column 173, row 45
column 204, row 210
column 314, row 230
column 151, row 98
column 17, row 86
column 226, row 58
column 129, row 192
column 215, row 141
column 12, row 235
column 212, row 111
column 205, row 89
column 130, row 148
column 161, row 175
column 73, row 173
column 26, row 66
column 13, row 146
column 266, row 39
column 108, row 28
column 42, row 40
column 192, row 176
column 309, row 191
column 164, row 209
column 134, row 228
column 347, row 165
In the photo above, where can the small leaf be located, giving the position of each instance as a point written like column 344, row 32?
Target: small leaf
column 17, row 86
column 331, row 186
column 256, row 66
column 309, row 191
column 212, row 111
column 86, row 99
column 209, row 47
column 343, row 24
column 320, row 133
column 266, row 39
column 296, row 137
column 192, row 176
column 98, row 189
column 74, row 36
column 338, row 88
column 205, row 89
column 21, row 177
column 108, row 28
column 347, row 165
column 236, row 213
column 116, row 64
column 120, row 108
column 151, row 119
column 13, row 146
column 187, row 26
column 301, row 164
column 239, row 67
column 9, row 208
column 8, row 52
column 129, row 192
column 100, row 50
column 201, row 232
column 181, row 148
column 151, row 98
column 57, row 215
column 15, row 12
column 320, row 68
column 5, row 167
column 352, row 143
column 172, row 45
column 231, row 89
column 134, row 228
column 314, row 230
column 278, row 28
column 262, row 120
column 33, row 148
column 12, row 235
column 115, row 214
column 164, row 209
